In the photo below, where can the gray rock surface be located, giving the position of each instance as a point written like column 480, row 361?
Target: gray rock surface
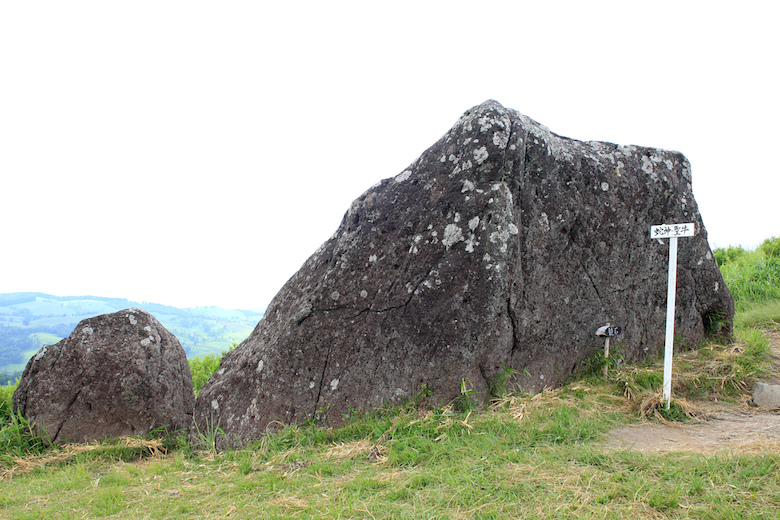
column 502, row 246
column 116, row 374
column 766, row 395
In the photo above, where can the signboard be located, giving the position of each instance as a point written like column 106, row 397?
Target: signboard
column 672, row 230
column 609, row 331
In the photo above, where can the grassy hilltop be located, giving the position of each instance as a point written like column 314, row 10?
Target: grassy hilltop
column 545, row 455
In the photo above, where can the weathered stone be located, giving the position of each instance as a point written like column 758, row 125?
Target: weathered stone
column 504, row 246
column 766, row 395
column 116, row 374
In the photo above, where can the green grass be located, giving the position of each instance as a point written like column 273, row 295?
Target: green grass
column 202, row 367
column 525, row 457
column 6, row 393
column 762, row 314
column 753, row 277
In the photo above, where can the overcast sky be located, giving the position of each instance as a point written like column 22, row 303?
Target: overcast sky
column 196, row 153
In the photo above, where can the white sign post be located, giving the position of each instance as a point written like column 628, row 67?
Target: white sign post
column 672, row 232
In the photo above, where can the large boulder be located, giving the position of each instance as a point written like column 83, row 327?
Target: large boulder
column 116, row 374
column 500, row 250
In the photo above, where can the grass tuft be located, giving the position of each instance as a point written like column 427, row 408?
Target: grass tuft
column 753, row 277
column 125, row 449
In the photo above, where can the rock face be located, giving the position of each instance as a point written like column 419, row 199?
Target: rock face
column 117, row 374
column 504, row 246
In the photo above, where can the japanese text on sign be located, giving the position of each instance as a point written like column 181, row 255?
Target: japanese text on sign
column 672, row 230
column 613, row 331
column 609, row 331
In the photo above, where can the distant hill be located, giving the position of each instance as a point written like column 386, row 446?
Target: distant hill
column 30, row 320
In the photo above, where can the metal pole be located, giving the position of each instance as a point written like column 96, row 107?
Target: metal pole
column 670, row 302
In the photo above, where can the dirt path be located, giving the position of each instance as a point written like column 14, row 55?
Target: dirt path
column 735, row 428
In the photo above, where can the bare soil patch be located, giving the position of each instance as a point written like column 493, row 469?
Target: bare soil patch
column 734, row 427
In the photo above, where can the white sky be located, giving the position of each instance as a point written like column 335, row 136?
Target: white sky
column 196, row 153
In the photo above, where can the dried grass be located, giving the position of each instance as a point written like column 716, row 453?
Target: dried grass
column 755, row 447
column 652, row 405
column 342, row 451
column 290, row 504
column 515, row 406
column 22, row 465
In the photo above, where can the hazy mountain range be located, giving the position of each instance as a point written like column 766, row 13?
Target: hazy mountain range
column 30, row 320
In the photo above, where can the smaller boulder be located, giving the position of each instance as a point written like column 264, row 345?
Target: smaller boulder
column 766, row 395
column 116, row 374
